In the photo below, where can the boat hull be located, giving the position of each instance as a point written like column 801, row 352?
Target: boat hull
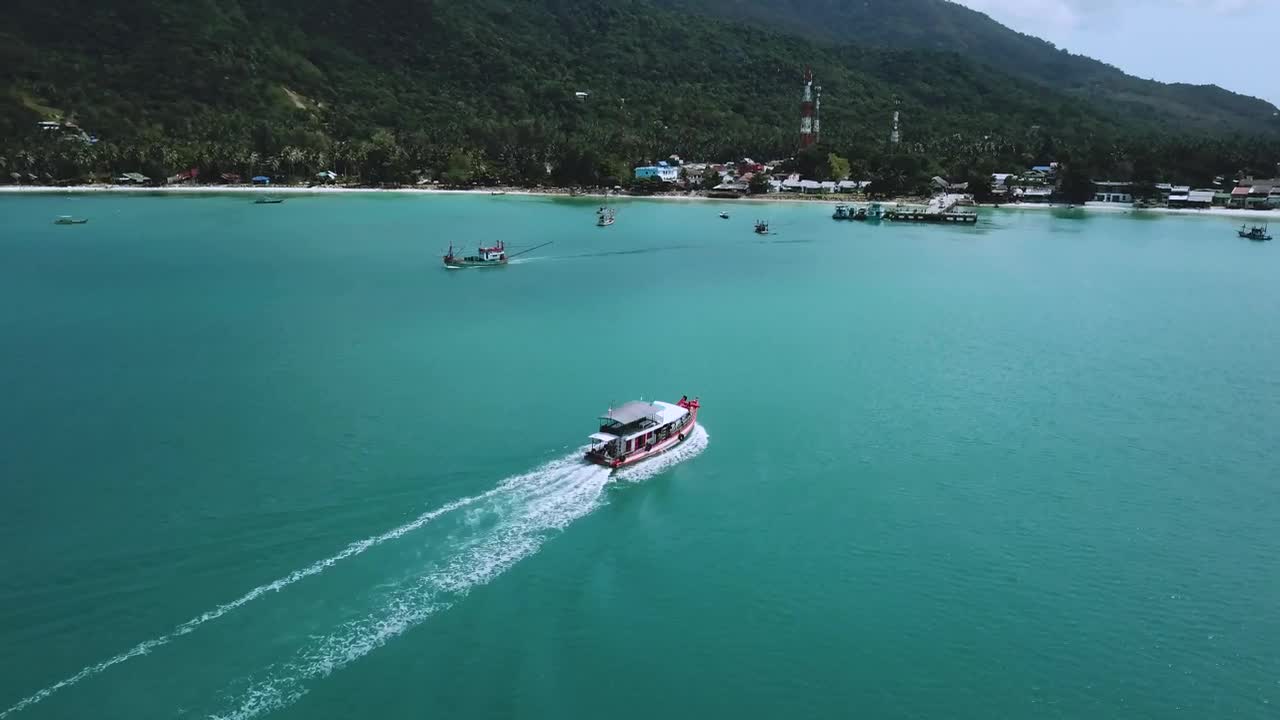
column 463, row 264
column 637, row 456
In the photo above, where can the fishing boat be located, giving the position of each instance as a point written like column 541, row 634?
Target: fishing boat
column 762, row 227
column 495, row 256
column 724, row 216
column 639, row 430
column 841, row 213
column 1257, row 232
column 68, row 220
column 268, row 201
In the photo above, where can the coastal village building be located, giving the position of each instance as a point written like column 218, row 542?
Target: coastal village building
column 1033, row 194
column 1198, row 199
column 1111, row 191
column 1251, row 194
column 662, row 171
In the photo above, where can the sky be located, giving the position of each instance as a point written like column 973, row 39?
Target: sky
column 1223, row 42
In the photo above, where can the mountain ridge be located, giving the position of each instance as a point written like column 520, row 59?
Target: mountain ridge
column 941, row 25
column 392, row 86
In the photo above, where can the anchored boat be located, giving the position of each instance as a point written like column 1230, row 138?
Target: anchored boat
column 640, row 430
column 762, row 227
column 68, row 220
column 1257, row 232
column 606, row 217
column 841, row 213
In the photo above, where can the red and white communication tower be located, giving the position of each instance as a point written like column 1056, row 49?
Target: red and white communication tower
column 810, row 111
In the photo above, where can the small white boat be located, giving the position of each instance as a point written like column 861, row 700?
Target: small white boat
column 639, row 430
column 724, row 216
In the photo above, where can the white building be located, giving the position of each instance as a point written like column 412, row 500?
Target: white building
column 661, row 171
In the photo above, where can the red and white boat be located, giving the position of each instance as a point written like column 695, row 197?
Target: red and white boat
column 640, row 430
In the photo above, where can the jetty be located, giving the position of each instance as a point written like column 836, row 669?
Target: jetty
column 941, row 209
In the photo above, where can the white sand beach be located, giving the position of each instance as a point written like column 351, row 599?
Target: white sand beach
column 1257, row 215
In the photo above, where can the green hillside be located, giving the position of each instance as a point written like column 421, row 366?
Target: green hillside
column 939, row 25
column 486, row 90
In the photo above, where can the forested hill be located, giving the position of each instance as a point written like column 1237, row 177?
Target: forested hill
column 490, row 85
column 939, row 25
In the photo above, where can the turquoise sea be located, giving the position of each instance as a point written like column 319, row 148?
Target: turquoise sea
column 275, row 461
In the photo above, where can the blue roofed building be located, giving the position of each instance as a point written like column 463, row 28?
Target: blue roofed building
column 662, row 171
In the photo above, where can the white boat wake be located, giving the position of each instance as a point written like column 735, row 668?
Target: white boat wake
column 505, row 530
column 503, row 526
column 277, row 585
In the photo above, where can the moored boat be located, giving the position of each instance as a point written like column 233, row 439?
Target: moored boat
column 68, row 220
column 606, row 217
column 268, row 201
column 1257, row 232
column 841, row 213
column 639, row 430
column 762, row 227
column 724, row 216
column 495, row 256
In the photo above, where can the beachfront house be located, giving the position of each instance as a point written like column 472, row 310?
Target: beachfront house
column 1112, row 191
column 1001, row 185
column 729, row 190
column 326, row 176
column 662, row 171
column 1251, row 194
column 1197, row 199
column 261, row 180
column 184, row 176
column 1033, row 194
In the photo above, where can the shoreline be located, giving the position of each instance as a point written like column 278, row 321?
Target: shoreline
column 296, row 190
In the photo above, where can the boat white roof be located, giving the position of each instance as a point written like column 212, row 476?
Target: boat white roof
column 668, row 412
column 633, row 411
column 604, row 437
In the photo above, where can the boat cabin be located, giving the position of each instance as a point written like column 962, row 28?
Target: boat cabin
column 496, row 255
column 638, row 426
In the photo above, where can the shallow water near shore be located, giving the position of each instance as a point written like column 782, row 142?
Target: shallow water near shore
column 276, row 461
